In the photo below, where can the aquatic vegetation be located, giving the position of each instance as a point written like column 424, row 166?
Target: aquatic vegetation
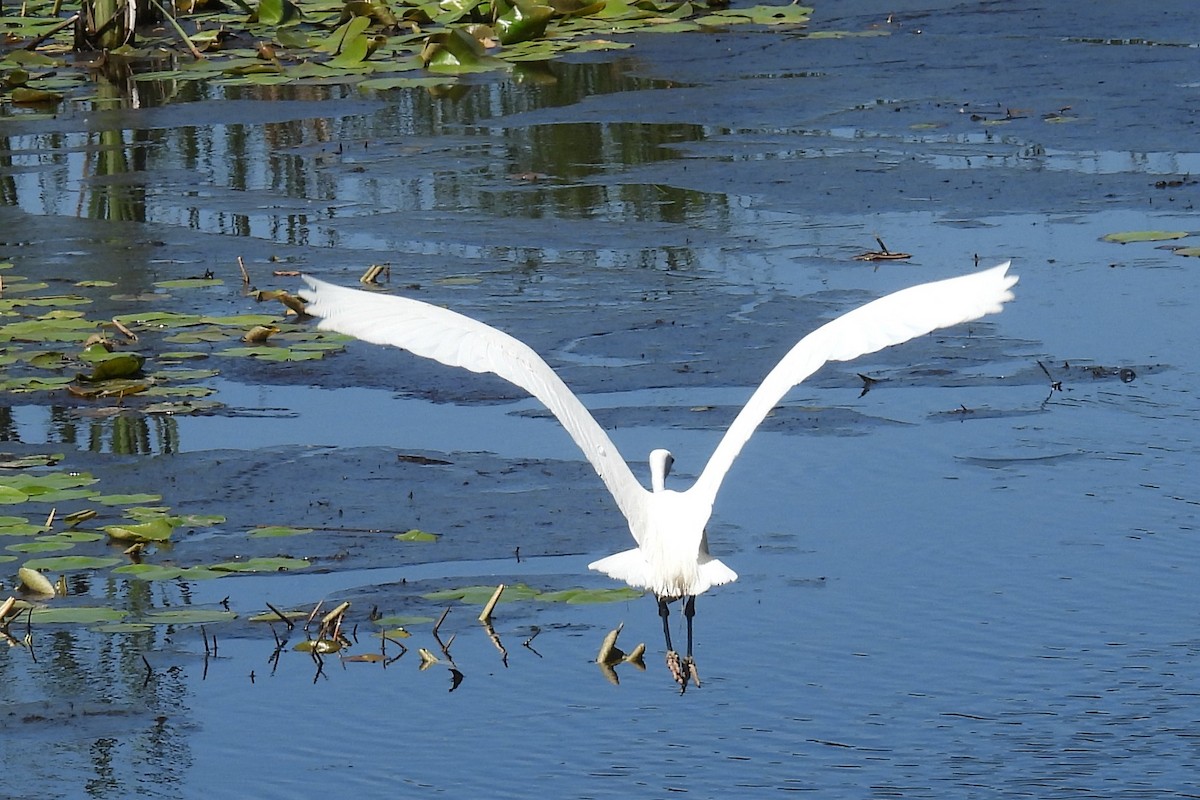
column 374, row 43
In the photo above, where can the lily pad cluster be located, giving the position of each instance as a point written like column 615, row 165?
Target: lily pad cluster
column 376, row 43
column 147, row 360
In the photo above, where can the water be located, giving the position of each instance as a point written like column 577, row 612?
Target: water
column 963, row 583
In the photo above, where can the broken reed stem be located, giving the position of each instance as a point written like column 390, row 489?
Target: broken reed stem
column 245, row 275
column 281, row 615
column 441, row 619
column 486, row 615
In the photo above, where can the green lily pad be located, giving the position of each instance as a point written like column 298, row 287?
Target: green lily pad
column 1194, row 252
column 123, row 627
column 149, row 572
column 415, row 535
column 11, row 496
column 478, row 595
column 188, row 616
column 278, row 530
column 155, row 530
column 39, row 547
column 126, row 499
column 70, row 563
column 279, row 564
column 396, row 620
column 1125, row 237
column 78, row 614
column 591, row 596
column 189, row 283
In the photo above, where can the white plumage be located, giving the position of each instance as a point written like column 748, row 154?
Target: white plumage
column 671, row 558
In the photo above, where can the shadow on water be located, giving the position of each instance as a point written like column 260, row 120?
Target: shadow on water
column 974, row 579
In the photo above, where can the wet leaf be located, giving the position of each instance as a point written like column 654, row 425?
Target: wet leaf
column 279, row 564
column 155, row 530
column 149, row 572
column 478, row 595
column 40, row 546
column 189, row 283
column 77, row 614
column 115, row 365
column 592, row 596
column 70, row 563
column 396, row 620
column 126, row 499
column 321, row 646
column 523, row 20
column 188, row 616
column 1187, row 251
column 394, row 633
column 278, row 530
column 415, row 535
column 12, row 496
column 1125, row 237
column 278, row 12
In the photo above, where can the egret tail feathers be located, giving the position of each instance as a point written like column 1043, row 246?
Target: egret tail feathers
column 631, row 567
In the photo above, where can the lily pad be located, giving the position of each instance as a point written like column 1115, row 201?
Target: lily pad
column 415, row 535
column 1125, row 237
column 278, row 530
column 188, row 616
column 478, row 595
column 70, row 563
column 78, row 614
column 155, row 530
column 279, row 564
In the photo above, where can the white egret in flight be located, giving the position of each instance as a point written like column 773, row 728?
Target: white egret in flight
column 671, row 558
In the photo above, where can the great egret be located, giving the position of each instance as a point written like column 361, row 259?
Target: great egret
column 671, row 558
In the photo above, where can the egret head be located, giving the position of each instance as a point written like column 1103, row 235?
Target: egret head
column 660, row 467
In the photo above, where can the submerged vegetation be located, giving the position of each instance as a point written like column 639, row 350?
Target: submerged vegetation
column 374, row 43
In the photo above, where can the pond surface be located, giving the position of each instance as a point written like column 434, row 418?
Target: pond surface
column 965, row 582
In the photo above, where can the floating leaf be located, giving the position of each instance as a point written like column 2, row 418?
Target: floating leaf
column 1187, row 251
column 1125, row 237
column 395, row 620
column 477, row 595
column 189, row 616
column 280, row 564
column 278, row 530
column 39, row 547
column 189, row 283
column 321, row 646
column 126, row 499
column 149, row 572
column 78, row 614
column 70, row 563
column 415, row 535
column 278, row 12
column 155, row 530
column 115, row 365
column 12, row 496
column 590, row 596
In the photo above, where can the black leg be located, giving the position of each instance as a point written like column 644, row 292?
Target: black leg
column 665, row 612
column 689, row 611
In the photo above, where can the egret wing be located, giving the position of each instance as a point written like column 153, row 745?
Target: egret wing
column 458, row 341
column 890, row 320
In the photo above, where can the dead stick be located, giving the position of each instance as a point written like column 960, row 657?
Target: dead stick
column 486, row 614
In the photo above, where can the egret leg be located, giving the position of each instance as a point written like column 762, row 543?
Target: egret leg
column 689, row 611
column 665, row 612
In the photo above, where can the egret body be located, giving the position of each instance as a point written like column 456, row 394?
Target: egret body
column 671, row 558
